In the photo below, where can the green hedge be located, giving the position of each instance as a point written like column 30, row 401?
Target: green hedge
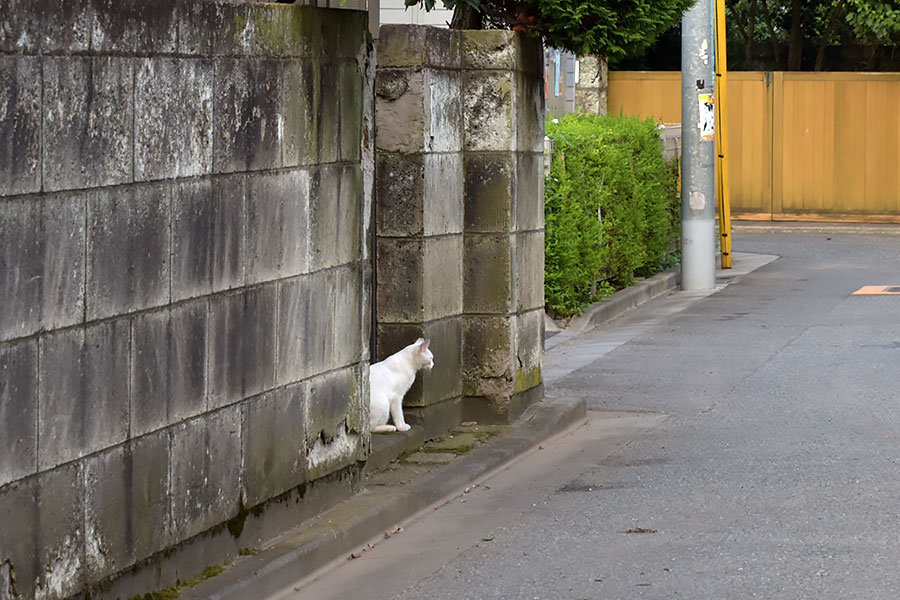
column 611, row 167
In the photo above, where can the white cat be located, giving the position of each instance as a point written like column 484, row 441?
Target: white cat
column 390, row 379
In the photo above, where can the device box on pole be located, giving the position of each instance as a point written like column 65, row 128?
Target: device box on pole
column 698, row 213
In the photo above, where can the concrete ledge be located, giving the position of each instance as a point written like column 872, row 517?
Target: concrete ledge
column 351, row 524
column 621, row 302
column 388, row 446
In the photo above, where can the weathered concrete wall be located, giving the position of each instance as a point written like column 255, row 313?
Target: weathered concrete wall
column 591, row 90
column 419, row 214
column 459, row 216
column 184, row 280
column 503, row 301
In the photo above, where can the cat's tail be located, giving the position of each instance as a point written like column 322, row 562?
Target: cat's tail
column 383, row 429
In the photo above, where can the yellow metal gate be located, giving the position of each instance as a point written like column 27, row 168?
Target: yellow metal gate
column 802, row 146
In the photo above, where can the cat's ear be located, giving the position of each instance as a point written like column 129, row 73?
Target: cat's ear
column 423, row 344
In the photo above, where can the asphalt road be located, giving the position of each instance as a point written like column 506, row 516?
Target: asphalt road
column 745, row 444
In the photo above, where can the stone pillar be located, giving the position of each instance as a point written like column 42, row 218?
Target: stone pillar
column 419, row 212
column 593, row 83
column 503, row 285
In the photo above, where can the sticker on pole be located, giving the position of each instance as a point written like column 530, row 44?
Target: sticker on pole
column 707, row 117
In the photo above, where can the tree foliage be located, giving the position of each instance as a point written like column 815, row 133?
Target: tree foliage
column 613, row 28
column 875, row 21
column 806, row 35
column 797, row 34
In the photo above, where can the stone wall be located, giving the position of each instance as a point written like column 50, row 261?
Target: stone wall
column 459, row 217
column 591, row 91
column 419, row 213
column 503, row 336
column 184, row 280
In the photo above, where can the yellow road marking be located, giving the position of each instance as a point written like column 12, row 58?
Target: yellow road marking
column 878, row 290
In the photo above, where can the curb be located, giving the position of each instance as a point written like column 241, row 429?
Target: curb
column 621, row 302
column 815, row 227
column 355, row 521
column 386, row 448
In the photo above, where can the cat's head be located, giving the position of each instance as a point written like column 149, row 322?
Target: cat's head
column 424, row 357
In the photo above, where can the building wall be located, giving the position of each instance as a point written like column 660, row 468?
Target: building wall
column 395, row 12
column 560, row 69
column 184, row 278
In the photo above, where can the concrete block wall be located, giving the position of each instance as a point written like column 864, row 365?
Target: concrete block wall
column 591, row 89
column 184, row 280
column 503, row 300
column 459, row 217
column 419, row 211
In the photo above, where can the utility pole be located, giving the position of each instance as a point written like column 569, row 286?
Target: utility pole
column 698, row 212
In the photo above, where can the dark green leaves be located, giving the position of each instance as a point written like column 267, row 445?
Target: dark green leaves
column 613, row 28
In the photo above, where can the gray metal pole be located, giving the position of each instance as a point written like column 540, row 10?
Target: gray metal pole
column 698, row 208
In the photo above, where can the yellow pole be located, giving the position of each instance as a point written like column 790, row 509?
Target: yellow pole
column 723, row 200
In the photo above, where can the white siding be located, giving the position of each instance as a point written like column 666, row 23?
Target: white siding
column 348, row 4
column 394, row 12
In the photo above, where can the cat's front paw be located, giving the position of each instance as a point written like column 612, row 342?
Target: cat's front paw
column 403, row 427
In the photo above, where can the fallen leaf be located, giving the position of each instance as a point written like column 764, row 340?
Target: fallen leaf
column 353, row 555
column 597, row 579
column 541, row 447
column 392, row 532
column 487, row 539
column 640, row 530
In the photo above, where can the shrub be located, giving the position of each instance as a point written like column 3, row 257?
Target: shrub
column 611, row 208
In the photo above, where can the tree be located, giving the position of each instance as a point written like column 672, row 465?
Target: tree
column 610, row 28
column 807, row 28
column 876, row 22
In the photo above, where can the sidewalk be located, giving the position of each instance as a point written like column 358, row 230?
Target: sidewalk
column 396, row 490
